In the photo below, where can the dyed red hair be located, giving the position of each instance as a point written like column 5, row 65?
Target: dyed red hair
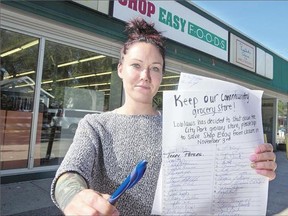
column 139, row 30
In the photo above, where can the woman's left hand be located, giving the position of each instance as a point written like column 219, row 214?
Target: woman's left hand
column 263, row 161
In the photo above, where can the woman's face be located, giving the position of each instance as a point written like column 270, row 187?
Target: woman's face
column 141, row 72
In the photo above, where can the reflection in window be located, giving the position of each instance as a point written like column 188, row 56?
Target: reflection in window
column 282, row 125
column 19, row 54
column 78, row 82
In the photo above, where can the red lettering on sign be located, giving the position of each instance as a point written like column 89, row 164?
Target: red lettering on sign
column 142, row 6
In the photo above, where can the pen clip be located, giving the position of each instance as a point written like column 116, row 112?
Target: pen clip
column 130, row 181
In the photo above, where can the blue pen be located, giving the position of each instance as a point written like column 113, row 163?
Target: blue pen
column 129, row 182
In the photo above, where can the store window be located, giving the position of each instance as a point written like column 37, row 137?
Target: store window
column 282, row 125
column 268, row 117
column 74, row 82
column 18, row 68
column 275, row 123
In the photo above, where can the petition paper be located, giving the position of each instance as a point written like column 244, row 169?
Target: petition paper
column 207, row 142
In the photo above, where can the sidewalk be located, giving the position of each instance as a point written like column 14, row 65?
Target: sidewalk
column 32, row 198
column 278, row 188
column 28, row 198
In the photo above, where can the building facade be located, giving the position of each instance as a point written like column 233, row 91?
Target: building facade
column 59, row 62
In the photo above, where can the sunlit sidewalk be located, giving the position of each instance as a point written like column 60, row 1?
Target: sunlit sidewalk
column 278, row 188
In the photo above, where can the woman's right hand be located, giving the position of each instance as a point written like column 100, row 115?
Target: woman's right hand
column 89, row 202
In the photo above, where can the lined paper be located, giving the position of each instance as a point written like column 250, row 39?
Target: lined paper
column 208, row 136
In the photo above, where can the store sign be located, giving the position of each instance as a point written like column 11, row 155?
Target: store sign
column 264, row 63
column 242, row 53
column 177, row 23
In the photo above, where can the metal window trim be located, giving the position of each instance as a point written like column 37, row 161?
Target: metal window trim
column 22, row 171
column 35, row 113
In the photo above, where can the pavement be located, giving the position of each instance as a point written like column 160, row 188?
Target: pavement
column 28, row 198
column 278, row 188
column 32, row 198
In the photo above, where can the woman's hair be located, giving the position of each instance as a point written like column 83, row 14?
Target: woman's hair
column 139, row 30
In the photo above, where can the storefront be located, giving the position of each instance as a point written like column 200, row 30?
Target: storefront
column 59, row 61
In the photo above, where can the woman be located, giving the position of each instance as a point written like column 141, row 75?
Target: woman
column 106, row 147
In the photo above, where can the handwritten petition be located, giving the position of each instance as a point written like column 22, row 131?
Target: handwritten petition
column 208, row 136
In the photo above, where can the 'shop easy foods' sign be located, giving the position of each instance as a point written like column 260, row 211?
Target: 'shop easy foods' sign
column 177, row 23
